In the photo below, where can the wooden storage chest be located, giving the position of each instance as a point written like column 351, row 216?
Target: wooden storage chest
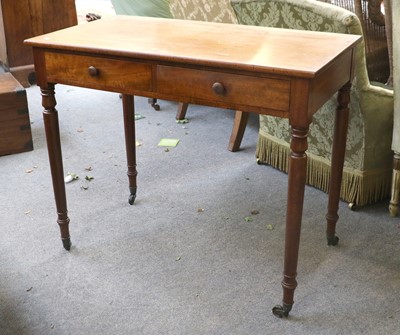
column 15, row 127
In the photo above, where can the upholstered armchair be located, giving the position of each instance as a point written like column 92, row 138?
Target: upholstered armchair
column 367, row 171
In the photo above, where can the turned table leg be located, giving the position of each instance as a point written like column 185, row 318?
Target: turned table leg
column 394, row 200
column 51, row 126
column 297, row 179
column 338, row 153
column 130, row 143
column 296, row 186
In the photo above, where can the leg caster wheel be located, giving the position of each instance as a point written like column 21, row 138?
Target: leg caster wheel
column 154, row 104
column 259, row 162
column 66, row 243
column 132, row 196
column 131, row 199
column 332, row 240
column 281, row 311
column 156, row 107
column 352, row 206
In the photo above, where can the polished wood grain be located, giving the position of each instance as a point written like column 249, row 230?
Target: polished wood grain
column 92, row 72
column 229, row 90
column 266, row 50
column 279, row 72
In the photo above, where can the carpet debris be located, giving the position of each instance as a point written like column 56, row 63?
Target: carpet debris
column 71, row 177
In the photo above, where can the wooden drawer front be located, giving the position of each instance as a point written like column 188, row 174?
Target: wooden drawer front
column 222, row 87
column 97, row 72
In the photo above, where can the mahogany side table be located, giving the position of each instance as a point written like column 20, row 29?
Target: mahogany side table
column 285, row 73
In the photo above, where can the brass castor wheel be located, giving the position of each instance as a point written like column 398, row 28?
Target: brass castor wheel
column 66, row 243
column 156, row 107
column 154, row 104
column 332, row 240
column 352, row 206
column 259, row 162
column 131, row 199
column 281, row 311
column 132, row 196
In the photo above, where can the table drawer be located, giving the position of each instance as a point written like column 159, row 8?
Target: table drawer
column 232, row 89
column 96, row 72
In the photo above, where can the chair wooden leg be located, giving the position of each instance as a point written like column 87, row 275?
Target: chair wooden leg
column 182, row 109
column 239, row 126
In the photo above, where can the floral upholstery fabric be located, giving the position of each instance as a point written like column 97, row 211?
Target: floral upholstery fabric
column 368, row 153
column 203, row 10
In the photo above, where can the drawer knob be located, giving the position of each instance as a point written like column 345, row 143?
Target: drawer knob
column 218, row 88
column 93, row 72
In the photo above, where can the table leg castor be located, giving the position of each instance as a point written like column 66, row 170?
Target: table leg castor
column 132, row 196
column 66, row 243
column 281, row 311
column 332, row 240
column 154, row 104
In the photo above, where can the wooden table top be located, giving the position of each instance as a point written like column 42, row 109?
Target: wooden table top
column 248, row 48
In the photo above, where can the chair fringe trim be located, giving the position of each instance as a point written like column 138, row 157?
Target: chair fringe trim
column 358, row 187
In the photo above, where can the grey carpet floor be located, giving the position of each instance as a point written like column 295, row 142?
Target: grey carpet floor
column 189, row 257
